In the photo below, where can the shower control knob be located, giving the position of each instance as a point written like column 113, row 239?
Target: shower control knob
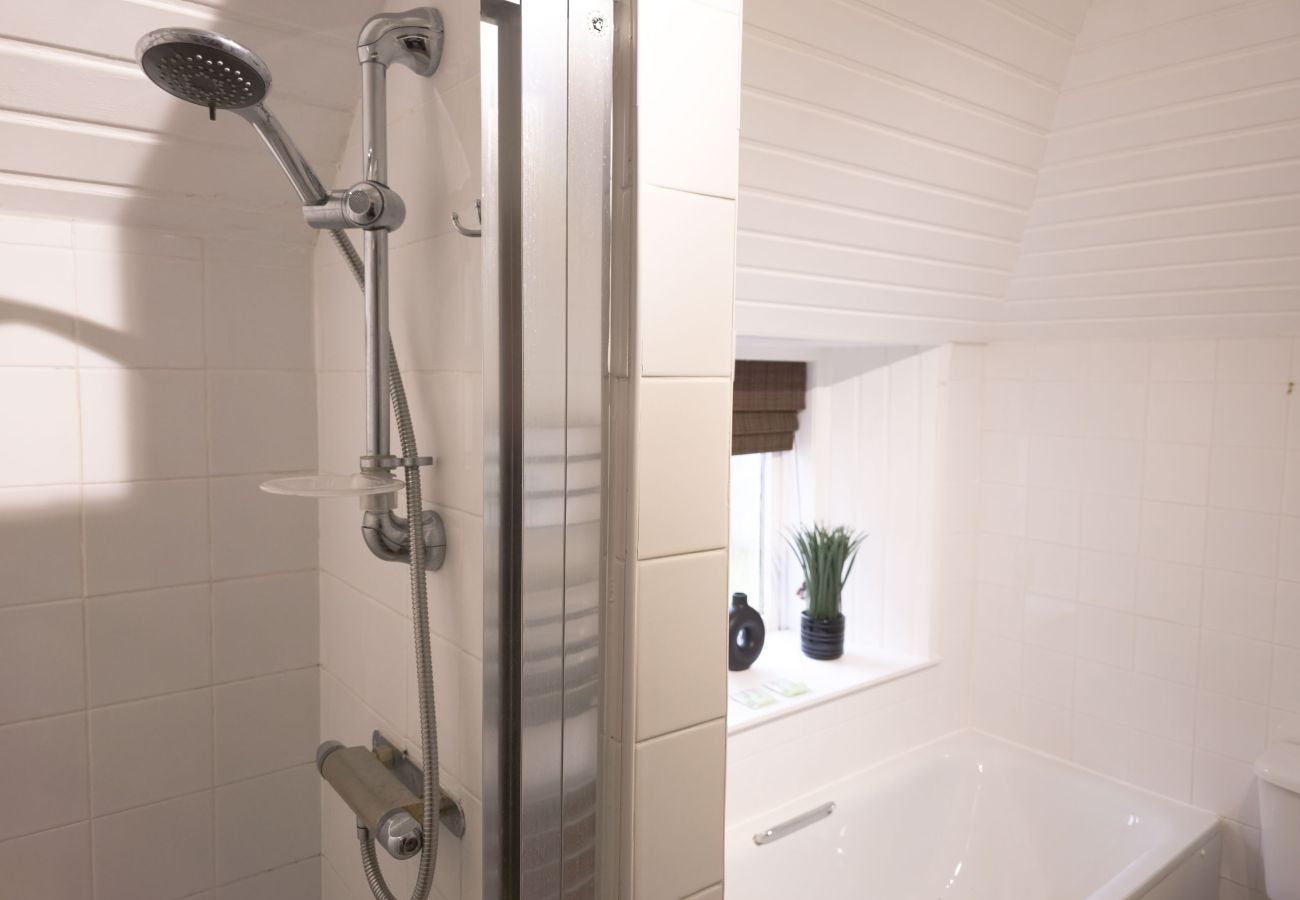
column 365, row 203
column 371, row 205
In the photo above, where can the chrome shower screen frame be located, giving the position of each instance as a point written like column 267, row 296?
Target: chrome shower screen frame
column 547, row 113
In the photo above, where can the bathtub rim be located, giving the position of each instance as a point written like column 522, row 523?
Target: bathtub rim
column 742, row 831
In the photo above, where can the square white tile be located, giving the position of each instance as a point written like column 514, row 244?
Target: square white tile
column 42, row 665
column 148, row 643
column 1254, row 360
column 264, row 625
column 1166, row 650
column 131, row 545
column 683, row 439
column 1247, row 478
column 1180, row 413
column 687, row 252
column 1239, row 604
column 139, row 310
column 141, row 423
column 1242, row 541
column 1250, row 415
column 282, row 710
column 126, row 848
column 1170, row 591
column 256, row 533
column 1173, row 532
column 1235, row 666
column 50, row 864
column 150, row 750
column 677, row 605
column 688, row 97
column 53, row 790
column 1177, row 473
column 1182, row 360
column 277, row 298
column 263, row 421
column 40, row 529
column 266, row 822
column 677, row 835
column 46, row 449
column 42, row 280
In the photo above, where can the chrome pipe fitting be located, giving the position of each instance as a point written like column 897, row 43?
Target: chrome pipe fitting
column 388, row 536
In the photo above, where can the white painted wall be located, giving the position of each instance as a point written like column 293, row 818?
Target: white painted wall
column 1138, row 601
column 367, row 660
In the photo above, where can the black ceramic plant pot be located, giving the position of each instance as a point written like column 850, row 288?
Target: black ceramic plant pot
column 822, row 638
column 745, row 640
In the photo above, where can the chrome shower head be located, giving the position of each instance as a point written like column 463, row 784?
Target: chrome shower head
column 213, row 71
column 204, row 68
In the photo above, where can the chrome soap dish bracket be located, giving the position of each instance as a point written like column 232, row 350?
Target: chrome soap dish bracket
column 464, row 229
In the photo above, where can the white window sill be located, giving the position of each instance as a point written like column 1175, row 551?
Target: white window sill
column 826, row 680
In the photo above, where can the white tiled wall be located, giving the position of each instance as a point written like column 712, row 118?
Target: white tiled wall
column 1138, row 599
column 367, row 662
column 671, row 412
column 153, row 605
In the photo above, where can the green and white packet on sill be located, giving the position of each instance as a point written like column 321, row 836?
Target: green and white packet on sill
column 754, row 698
column 787, row 688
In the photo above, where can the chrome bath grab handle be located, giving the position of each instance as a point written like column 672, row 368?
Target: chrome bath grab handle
column 790, row 826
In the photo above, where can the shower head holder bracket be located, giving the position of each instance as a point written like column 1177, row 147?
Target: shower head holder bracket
column 367, row 205
column 413, row 38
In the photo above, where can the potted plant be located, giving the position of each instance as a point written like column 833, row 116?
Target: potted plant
column 826, row 557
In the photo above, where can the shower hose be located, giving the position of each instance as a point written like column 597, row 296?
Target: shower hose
column 420, row 622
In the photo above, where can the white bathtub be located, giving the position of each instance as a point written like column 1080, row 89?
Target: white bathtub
column 971, row 817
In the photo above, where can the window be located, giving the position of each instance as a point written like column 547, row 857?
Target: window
column 747, row 557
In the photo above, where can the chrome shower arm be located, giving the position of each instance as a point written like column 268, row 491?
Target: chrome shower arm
column 309, row 187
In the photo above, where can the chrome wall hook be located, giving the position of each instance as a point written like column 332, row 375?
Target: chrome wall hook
column 466, row 231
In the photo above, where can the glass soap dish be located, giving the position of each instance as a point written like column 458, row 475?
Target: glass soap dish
column 358, row 484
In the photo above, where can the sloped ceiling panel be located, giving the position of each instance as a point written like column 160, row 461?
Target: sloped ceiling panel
column 1170, row 189
column 889, row 159
column 83, row 133
column 938, row 170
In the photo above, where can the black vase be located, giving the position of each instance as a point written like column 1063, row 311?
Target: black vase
column 822, row 638
column 745, row 635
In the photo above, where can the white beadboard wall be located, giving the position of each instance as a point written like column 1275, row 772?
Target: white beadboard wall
column 1138, row 599
column 931, row 171
column 889, row 156
column 1168, row 188
column 367, row 662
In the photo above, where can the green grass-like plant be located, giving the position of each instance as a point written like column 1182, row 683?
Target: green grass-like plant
column 826, row 557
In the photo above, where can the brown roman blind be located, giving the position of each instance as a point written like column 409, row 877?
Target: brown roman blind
column 765, row 405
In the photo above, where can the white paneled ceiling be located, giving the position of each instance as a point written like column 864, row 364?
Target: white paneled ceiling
column 84, row 133
column 949, row 169
column 1171, row 181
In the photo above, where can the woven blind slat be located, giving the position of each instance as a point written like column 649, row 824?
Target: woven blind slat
column 766, row 399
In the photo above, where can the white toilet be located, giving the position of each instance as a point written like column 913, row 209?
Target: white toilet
column 1279, row 814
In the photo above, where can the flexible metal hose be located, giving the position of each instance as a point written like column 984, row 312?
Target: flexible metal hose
column 420, row 621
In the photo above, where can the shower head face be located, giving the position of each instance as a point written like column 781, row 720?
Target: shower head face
column 204, row 68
